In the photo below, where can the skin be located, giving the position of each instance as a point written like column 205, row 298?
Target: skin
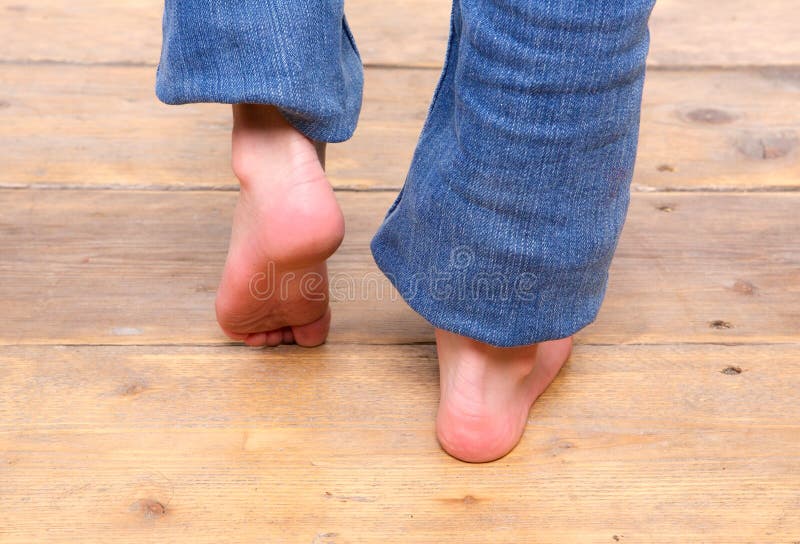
column 274, row 289
column 287, row 223
column 486, row 392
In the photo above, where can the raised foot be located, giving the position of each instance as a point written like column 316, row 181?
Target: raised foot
column 487, row 392
column 274, row 288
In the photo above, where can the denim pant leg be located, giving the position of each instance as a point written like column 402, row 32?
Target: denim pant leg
column 519, row 186
column 296, row 55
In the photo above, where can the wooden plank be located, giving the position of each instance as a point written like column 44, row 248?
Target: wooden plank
column 81, row 31
column 724, row 33
column 395, row 32
column 190, row 444
column 102, row 126
column 118, row 267
column 719, row 130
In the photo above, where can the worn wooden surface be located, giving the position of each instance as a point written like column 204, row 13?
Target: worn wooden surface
column 193, row 444
column 113, row 267
column 126, row 416
column 396, row 32
column 98, row 126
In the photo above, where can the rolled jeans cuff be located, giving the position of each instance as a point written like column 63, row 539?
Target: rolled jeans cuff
column 297, row 56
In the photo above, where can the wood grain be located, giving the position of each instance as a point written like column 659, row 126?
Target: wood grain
column 127, row 417
column 208, row 444
column 719, row 130
column 119, row 267
column 102, row 127
column 743, row 35
column 395, row 32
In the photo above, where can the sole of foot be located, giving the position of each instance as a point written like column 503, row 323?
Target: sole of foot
column 274, row 288
column 487, row 393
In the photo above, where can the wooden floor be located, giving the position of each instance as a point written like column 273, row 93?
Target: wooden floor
column 126, row 416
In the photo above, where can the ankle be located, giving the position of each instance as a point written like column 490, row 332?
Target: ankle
column 264, row 146
column 516, row 361
column 257, row 116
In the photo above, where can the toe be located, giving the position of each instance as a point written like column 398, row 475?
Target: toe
column 313, row 334
column 257, row 340
column 261, row 339
column 274, row 338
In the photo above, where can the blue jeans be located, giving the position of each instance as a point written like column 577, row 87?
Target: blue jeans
column 507, row 222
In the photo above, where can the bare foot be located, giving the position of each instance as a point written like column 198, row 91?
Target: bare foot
column 487, row 392
column 287, row 223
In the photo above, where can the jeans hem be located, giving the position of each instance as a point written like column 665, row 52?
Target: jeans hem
column 481, row 331
column 317, row 130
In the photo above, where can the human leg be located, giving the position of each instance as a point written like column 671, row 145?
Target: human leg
column 506, row 225
column 292, row 73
